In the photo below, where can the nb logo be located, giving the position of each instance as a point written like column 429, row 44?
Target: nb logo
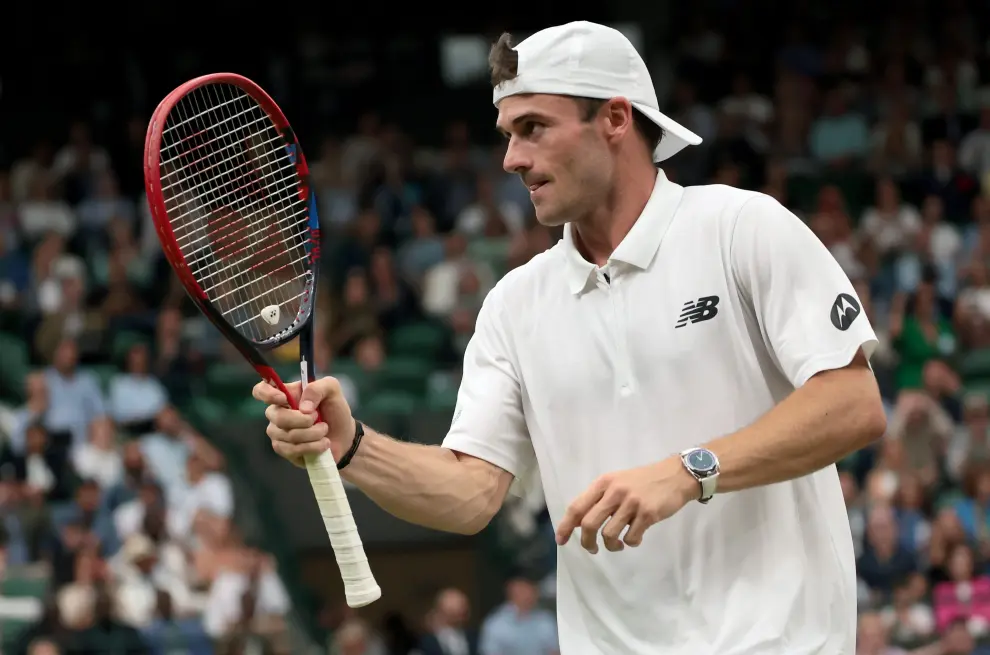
column 845, row 309
column 699, row 310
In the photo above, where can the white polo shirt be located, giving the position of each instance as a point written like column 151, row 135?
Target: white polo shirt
column 718, row 304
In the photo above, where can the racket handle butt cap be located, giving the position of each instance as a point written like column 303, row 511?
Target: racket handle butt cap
column 362, row 597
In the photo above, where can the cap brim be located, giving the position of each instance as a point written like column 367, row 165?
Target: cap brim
column 677, row 136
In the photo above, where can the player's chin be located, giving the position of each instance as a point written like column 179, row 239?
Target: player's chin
column 549, row 215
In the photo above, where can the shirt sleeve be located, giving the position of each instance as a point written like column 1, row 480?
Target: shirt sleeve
column 809, row 313
column 488, row 419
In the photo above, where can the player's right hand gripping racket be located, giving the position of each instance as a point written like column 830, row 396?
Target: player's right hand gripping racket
column 229, row 192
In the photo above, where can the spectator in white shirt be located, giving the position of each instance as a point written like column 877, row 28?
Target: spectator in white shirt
column 249, row 591
column 890, row 225
column 207, row 490
column 42, row 212
column 974, row 150
column 130, row 516
column 135, row 572
column 167, row 449
column 487, row 216
column 98, row 459
column 441, row 286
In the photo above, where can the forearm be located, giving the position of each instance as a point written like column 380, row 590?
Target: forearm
column 830, row 417
column 425, row 485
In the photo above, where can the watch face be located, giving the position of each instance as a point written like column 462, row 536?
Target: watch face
column 701, row 461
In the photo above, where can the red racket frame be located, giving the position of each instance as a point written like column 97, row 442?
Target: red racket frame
column 156, row 202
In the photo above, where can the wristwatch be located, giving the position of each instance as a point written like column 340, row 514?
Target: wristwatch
column 703, row 465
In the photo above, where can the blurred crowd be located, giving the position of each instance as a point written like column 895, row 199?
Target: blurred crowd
column 878, row 137
column 520, row 625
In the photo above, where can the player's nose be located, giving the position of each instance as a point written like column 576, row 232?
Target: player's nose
column 516, row 159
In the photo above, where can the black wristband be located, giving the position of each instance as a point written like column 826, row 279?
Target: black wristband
column 349, row 455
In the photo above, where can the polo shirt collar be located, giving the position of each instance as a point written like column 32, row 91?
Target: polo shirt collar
column 639, row 246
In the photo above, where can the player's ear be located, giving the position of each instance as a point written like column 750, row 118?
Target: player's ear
column 618, row 116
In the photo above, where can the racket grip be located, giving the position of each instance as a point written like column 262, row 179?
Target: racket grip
column 360, row 587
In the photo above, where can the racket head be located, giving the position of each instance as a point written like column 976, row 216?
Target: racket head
column 230, row 196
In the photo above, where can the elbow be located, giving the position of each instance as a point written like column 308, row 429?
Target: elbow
column 473, row 527
column 872, row 419
column 478, row 521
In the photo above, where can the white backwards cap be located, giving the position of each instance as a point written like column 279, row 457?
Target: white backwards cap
column 588, row 60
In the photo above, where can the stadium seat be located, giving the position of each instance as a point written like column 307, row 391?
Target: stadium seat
column 103, row 373
column 249, row 408
column 408, row 374
column 979, row 387
column 232, row 381
column 348, row 368
column 421, row 339
column 429, row 427
column 11, row 630
column 14, row 366
column 123, row 342
column 442, row 399
column 21, row 586
column 206, row 410
column 802, row 191
column 397, row 403
column 494, row 252
column 975, row 365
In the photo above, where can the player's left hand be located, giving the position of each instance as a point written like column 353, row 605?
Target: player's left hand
column 635, row 498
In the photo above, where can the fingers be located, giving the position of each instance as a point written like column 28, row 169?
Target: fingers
column 289, row 419
column 612, row 531
column 296, row 453
column 593, row 521
column 271, row 395
column 634, row 535
column 578, row 509
column 315, row 393
column 303, row 434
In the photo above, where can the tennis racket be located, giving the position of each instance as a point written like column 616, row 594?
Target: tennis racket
column 229, row 192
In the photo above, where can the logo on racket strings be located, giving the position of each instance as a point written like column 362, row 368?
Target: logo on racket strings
column 271, row 314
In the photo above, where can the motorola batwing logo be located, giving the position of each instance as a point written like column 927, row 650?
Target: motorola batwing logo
column 845, row 309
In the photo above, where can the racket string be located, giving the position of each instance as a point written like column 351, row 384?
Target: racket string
column 235, row 207
column 219, row 219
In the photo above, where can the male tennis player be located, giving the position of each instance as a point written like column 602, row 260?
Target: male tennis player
column 685, row 367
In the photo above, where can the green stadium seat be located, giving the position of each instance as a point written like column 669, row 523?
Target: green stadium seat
column 975, row 365
column 14, row 366
column 857, row 190
column 104, row 373
column 205, row 410
column 421, row 339
column 948, row 499
column 21, row 586
column 408, row 374
column 394, row 403
column 11, row 629
column 248, row 408
column 123, row 342
column 494, row 252
column 442, row 399
column 802, row 191
column 231, row 381
column 980, row 386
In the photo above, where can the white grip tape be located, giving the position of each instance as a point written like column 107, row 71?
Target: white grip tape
column 360, row 587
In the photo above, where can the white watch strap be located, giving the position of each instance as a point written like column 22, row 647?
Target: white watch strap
column 708, row 486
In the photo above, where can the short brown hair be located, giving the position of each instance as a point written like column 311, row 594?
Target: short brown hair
column 504, row 62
